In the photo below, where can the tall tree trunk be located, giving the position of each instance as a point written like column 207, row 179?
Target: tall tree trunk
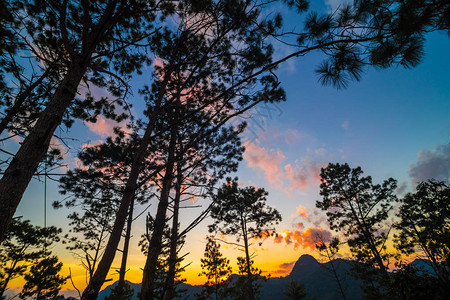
column 123, row 265
column 22, row 167
column 169, row 286
column 154, row 249
column 35, row 145
column 96, row 282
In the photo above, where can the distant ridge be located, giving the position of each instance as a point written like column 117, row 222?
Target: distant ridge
column 317, row 278
column 318, row 281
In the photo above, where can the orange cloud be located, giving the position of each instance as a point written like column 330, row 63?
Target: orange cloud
column 278, row 239
column 313, row 235
column 284, row 268
column 306, row 239
column 300, row 225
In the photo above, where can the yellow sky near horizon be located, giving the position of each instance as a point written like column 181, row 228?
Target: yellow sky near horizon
column 268, row 258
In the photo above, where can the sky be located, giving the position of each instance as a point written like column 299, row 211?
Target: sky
column 393, row 123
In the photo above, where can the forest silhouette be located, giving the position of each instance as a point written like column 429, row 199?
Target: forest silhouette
column 210, row 62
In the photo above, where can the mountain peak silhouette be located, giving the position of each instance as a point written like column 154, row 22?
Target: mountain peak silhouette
column 305, row 265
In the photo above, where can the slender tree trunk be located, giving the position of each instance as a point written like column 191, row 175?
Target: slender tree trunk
column 126, row 245
column 336, row 276
column 96, row 282
column 251, row 292
column 369, row 238
column 155, row 246
column 97, row 252
column 169, row 286
column 35, row 145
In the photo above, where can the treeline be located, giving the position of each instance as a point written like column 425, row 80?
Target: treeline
column 212, row 61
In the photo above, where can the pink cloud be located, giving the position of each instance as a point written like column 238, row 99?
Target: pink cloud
column 56, row 144
column 298, row 177
column 201, row 23
column 15, row 137
column 79, row 164
column 287, row 177
column 267, row 161
column 92, row 144
column 301, row 176
column 302, row 211
column 269, row 135
column 104, row 127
